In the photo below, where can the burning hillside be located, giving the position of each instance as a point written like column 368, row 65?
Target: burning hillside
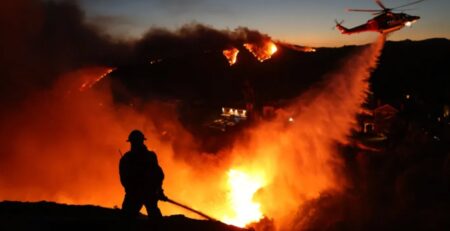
column 75, row 126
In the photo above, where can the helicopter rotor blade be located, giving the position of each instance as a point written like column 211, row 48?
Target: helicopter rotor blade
column 337, row 23
column 381, row 4
column 409, row 9
column 408, row 4
column 363, row 10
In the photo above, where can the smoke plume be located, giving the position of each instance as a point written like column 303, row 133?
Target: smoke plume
column 192, row 39
column 41, row 40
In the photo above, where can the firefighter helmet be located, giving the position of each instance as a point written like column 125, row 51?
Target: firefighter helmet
column 136, row 136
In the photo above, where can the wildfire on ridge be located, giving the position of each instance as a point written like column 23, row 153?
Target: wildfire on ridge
column 263, row 52
column 309, row 49
column 231, row 55
column 91, row 82
column 243, row 187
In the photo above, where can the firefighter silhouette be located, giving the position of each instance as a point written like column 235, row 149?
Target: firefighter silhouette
column 142, row 177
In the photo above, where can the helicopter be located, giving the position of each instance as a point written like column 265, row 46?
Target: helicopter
column 384, row 22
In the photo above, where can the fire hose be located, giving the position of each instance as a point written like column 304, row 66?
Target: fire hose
column 196, row 211
column 190, row 209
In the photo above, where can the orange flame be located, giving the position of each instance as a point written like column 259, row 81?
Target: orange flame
column 231, row 55
column 263, row 52
column 243, row 186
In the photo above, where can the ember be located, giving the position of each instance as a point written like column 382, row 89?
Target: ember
column 91, row 81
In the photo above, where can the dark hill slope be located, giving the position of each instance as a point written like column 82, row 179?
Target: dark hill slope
column 53, row 216
column 419, row 68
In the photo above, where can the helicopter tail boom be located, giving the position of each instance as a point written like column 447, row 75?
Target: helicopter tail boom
column 341, row 28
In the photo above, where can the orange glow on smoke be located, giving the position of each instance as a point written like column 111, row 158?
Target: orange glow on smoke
column 262, row 52
column 243, row 186
column 231, row 55
column 66, row 149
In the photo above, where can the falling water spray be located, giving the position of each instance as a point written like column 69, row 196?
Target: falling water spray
column 299, row 159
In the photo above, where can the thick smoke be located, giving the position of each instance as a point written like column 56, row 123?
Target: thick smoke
column 42, row 40
column 63, row 145
column 193, row 38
